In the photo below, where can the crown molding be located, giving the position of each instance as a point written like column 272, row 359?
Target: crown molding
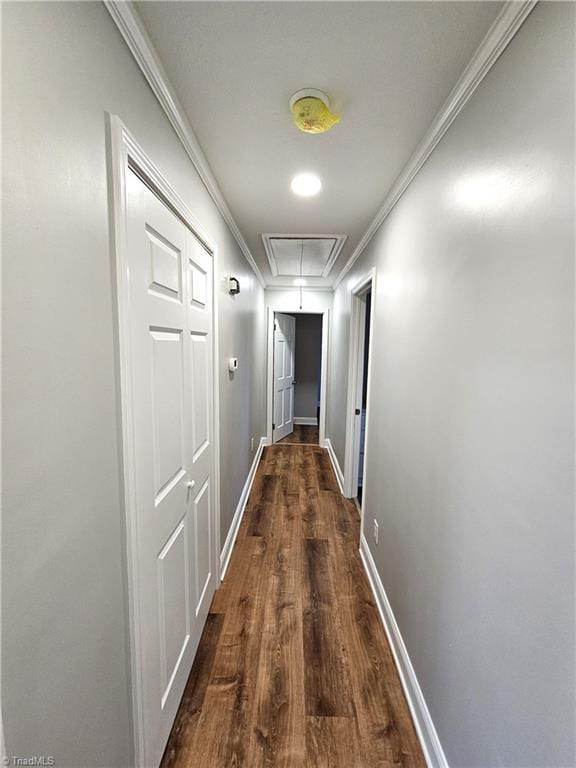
column 126, row 19
column 507, row 23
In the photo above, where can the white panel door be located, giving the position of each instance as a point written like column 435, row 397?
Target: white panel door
column 170, row 279
column 198, row 269
column 284, row 341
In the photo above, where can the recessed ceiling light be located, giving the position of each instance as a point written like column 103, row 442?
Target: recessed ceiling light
column 299, row 281
column 306, row 184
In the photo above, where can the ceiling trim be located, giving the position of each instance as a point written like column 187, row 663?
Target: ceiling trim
column 334, row 253
column 126, row 19
column 507, row 23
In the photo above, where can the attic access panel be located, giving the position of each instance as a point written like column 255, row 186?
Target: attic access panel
column 318, row 254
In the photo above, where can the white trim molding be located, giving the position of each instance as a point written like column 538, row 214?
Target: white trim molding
column 513, row 14
column 126, row 19
column 239, row 513
column 335, row 465
column 431, row 746
column 355, row 382
column 308, row 421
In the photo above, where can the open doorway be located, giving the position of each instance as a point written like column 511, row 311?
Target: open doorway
column 359, row 390
column 297, row 378
column 362, row 440
column 297, row 347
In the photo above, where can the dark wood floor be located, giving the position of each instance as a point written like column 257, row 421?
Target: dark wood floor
column 302, row 435
column 294, row 668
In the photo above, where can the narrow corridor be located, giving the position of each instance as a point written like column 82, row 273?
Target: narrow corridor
column 294, row 668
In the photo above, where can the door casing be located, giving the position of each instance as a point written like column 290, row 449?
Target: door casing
column 270, row 313
column 124, row 153
column 355, row 379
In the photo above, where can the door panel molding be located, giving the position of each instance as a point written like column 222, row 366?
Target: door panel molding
column 169, row 579
column 284, row 353
column 124, row 155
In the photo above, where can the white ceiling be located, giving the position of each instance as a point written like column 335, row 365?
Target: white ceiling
column 387, row 66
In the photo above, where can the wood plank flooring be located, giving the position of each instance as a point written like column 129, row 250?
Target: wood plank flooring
column 303, row 434
column 294, row 669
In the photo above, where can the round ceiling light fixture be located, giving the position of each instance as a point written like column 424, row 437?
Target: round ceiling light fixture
column 311, row 111
column 306, row 184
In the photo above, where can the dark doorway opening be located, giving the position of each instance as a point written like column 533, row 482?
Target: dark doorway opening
column 367, row 316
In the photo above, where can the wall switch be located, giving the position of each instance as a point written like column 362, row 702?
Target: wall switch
column 375, row 532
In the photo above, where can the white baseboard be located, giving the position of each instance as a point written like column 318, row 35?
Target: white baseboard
column 238, row 514
column 433, row 752
column 310, row 421
column 334, row 460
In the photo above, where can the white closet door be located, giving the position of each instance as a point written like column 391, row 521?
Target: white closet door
column 284, row 341
column 198, row 268
column 170, row 277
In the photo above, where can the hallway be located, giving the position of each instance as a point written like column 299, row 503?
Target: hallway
column 294, row 668
column 288, row 384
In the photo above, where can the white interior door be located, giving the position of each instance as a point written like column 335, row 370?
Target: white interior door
column 170, row 283
column 284, row 341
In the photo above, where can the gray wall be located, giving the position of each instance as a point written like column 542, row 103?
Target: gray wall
column 307, row 361
column 471, row 441
column 65, row 679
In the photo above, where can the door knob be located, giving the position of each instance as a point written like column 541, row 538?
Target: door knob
column 190, row 484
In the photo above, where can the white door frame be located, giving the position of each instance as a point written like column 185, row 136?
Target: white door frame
column 355, row 379
column 270, row 312
column 124, row 154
